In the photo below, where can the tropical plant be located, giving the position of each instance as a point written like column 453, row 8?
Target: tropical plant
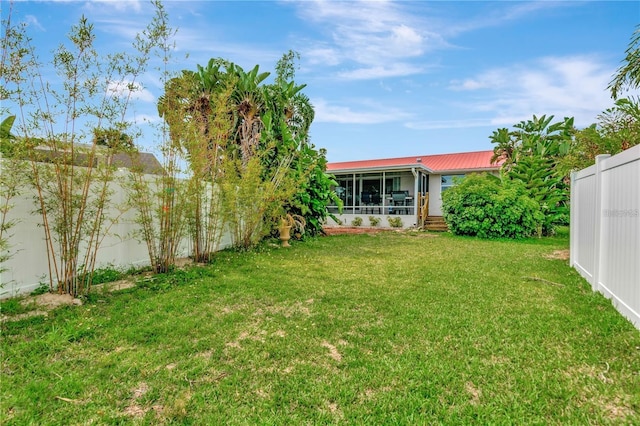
column 628, row 75
column 530, row 154
column 620, row 125
column 197, row 108
column 315, row 184
column 247, row 149
column 374, row 221
column 315, row 190
column 357, row 221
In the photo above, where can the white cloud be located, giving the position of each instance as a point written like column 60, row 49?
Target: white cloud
column 133, row 89
column 562, row 86
column 501, row 14
column 371, row 113
column 115, row 5
column 405, row 41
column 31, row 20
column 449, row 124
column 323, row 56
column 127, row 29
column 381, row 71
column 374, row 35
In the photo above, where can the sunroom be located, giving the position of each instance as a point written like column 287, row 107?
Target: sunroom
column 408, row 189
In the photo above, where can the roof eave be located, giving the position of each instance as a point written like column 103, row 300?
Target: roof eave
column 409, row 167
column 472, row 170
column 381, row 169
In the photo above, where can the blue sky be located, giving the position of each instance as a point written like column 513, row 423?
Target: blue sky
column 386, row 78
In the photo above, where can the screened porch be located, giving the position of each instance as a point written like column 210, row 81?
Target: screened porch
column 380, row 193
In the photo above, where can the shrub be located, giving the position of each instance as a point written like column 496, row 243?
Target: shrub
column 356, row 221
column 488, row 207
column 395, row 222
column 107, row 274
column 374, row 221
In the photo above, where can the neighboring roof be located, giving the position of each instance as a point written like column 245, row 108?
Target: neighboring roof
column 462, row 161
column 145, row 162
column 148, row 162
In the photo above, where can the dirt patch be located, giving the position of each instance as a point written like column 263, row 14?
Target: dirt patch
column 119, row 285
column 43, row 304
column 133, row 409
column 335, row 410
column 140, row 390
column 333, row 352
column 558, row 255
column 46, row 302
column 473, row 392
column 53, row 300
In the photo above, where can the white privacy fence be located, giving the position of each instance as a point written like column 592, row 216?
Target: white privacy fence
column 27, row 267
column 605, row 229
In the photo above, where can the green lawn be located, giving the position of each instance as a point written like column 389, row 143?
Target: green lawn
column 394, row 328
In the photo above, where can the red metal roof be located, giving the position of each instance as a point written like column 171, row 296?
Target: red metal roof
column 479, row 160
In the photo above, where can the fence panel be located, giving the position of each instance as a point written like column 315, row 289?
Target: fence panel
column 605, row 229
column 583, row 200
column 27, row 268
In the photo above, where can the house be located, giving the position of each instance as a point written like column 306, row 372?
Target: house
column 410, row 187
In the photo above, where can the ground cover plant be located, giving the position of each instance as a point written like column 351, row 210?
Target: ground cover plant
column 386, row 328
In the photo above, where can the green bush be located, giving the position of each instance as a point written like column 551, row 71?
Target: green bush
column 488, row 207
column 356, row 221
column 374, row 221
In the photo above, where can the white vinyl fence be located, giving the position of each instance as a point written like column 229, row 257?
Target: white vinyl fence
column 605, row 229
column 28, row 268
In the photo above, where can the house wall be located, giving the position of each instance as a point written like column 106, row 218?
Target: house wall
column 408, row 221
column 435, row 191
column 605, row 229
column 435, row 196
column 407, row 182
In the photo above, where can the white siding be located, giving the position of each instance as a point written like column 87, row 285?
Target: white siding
column 435, row 197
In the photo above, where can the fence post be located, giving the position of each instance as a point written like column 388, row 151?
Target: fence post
column 573, row 232
column 598, row 221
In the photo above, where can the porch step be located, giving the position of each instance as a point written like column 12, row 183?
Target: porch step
column 436, row 223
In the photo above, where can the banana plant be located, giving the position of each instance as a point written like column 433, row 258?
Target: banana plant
column 6, row 138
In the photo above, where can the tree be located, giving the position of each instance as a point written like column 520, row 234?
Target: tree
column 617, row 129
column 198, row 109
column 531, row 152
column 628, row 75
column 250, row 140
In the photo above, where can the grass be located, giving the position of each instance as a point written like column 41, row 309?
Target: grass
column 393, row 328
